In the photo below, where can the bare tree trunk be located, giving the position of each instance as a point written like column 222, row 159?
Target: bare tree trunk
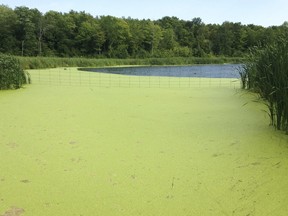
column 40, row 35
column 40, row 45
column 22, row 47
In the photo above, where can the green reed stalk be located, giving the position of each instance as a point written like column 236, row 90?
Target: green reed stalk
column 267, row 74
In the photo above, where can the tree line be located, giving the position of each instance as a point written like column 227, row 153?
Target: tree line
column 28, row 32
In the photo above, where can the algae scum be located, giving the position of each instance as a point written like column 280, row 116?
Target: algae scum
column 70, row 150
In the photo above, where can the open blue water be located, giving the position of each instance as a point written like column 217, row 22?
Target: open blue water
column 211, row 71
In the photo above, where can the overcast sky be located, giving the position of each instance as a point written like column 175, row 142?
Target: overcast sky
column 258, row 12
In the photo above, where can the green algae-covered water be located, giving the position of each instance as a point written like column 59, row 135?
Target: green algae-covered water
column 70, row 150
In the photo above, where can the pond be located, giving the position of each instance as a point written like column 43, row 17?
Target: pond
column 210, row 71
column 145, row 151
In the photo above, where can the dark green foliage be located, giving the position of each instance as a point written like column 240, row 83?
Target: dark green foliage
column 7, row 30
column 267, row 74
column 28, row 32
column 12, row 75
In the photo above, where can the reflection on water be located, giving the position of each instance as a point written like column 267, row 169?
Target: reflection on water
column 210, row 71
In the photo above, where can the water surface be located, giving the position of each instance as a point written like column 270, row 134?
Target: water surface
column 138, row 151
column 207, row 71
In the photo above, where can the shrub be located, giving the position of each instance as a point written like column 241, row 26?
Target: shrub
column 12, row 75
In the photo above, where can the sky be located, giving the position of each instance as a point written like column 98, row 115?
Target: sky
column 257, row 12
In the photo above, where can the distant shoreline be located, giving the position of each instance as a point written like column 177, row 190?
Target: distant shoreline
column 53, row 62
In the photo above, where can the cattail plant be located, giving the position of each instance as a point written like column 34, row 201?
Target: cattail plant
column 266, row 73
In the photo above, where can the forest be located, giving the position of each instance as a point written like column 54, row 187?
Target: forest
column 28, row 32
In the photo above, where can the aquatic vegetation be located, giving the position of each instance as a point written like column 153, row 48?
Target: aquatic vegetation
column 91, row 150
column 267, row 74
column 53, row 62
column 12, row 75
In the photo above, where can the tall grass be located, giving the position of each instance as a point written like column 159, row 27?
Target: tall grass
column 51, row 62
column 266, row 73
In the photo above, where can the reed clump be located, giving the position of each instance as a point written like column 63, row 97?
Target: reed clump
column 266, row 73
column 53, row 62
column 12, row 76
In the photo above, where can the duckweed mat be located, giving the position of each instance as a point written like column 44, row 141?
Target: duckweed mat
column 69, row 150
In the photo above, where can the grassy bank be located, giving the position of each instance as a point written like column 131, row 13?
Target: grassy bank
column 73, row 150
column 50, row 62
